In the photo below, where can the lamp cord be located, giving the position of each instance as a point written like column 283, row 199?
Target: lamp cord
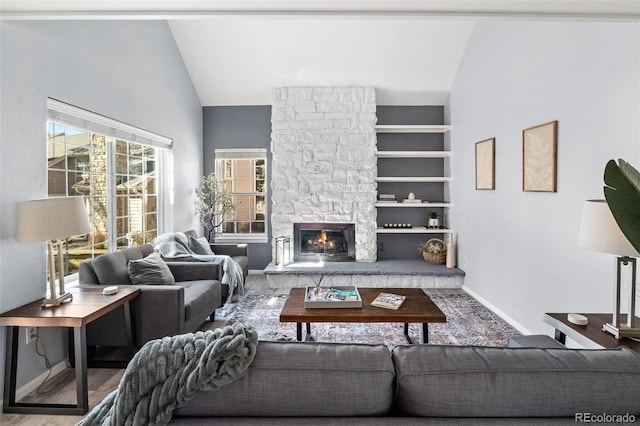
column 47, row 364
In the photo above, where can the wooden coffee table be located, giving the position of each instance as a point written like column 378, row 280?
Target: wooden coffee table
column 417, row 308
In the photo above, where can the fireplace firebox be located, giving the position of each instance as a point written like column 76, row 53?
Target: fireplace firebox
column 324, row 241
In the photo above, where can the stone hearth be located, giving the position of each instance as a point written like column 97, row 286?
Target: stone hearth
column 383, row 273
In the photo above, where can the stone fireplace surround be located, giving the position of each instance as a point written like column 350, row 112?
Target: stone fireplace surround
column 323, row 145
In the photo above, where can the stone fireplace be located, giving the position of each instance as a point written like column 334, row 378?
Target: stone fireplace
column 333, row 242
column 323, row 145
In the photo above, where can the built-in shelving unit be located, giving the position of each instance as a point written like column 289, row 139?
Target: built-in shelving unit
column 412, row 128
column 413, row 154
column 416, row 230
column 414, row 206
column 433, row 179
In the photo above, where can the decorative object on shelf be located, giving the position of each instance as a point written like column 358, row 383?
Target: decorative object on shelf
column 412, row 201
column 433, row 251
column 283, row 250
column 397, row 225
column 51, row 220
column 539, row 158
column 600, row 232
column 411, row 196
column 451, row 252
column 387, row 198
column 433, row 222
column 213, row 203
column 485, row 164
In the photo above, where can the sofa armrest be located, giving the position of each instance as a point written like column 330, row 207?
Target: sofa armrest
column 192, row 271
column 230, row 249
column 158, row 311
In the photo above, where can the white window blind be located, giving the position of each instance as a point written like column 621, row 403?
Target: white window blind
column 83, row 119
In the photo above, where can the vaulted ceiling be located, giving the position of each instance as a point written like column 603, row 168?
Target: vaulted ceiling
column 237, row 51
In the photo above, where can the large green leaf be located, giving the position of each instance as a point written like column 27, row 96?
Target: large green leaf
column 622, row 192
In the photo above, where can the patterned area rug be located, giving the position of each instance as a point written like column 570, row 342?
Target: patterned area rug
column 468, row 323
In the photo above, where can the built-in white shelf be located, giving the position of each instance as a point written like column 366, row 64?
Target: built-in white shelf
column 413, row 205
column 412, row 128
column 413, row 154
column 416, row 230
column 435, row 179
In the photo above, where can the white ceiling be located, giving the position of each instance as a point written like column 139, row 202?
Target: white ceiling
column 238, row 61
column 237, row 51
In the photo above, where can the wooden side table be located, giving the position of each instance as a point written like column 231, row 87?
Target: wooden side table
column 88, row 304
column 591, row 335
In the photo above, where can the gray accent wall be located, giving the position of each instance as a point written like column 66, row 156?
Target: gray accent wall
column 227, row 127
column 521, row 247
column 130, row 71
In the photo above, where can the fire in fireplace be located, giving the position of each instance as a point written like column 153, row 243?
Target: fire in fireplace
column 324, row 241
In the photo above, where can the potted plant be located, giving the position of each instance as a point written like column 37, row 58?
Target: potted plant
column 213, row 203
column 433, row 251
column 622, row 192
column 433, row 222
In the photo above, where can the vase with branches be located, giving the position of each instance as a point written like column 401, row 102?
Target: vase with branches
column 213, row 203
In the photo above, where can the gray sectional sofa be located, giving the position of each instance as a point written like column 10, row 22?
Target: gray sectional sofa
column 326, row 383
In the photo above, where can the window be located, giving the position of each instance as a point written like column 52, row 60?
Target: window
column 244, row 174
column 117, row 177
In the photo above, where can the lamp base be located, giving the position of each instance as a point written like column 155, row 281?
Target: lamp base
column 48, row 303
column 621, row 330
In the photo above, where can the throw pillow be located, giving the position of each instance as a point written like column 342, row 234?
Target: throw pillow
column 150, row 270
column 200, row 245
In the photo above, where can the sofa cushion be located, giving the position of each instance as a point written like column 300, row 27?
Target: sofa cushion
column 305, row 379
column 468, row 381
column 112, row 268
column 150, row 270
column 198, row 295
column 200, row 246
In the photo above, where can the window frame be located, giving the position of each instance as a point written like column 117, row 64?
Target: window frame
column 225, row 154
column 73, row 117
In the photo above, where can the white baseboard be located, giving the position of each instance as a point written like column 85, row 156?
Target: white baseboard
column 32, row 385
column 515, row 324
column 256, row 272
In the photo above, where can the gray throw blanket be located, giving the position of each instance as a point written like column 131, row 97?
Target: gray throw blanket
column 166, row 373
column 175, row 245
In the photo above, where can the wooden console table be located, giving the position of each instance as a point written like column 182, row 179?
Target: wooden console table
column 88, row 304
column 591, row 335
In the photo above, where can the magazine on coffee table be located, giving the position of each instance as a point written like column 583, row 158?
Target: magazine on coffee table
column 388, row 301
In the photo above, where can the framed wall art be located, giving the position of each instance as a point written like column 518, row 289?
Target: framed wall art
column 539, row 158
column 486, row 164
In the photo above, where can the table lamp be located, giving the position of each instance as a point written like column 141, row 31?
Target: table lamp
column 600, row 232
column 52, row 220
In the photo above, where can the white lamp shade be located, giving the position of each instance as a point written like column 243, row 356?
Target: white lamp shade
column 52, row 219
column 600, row 232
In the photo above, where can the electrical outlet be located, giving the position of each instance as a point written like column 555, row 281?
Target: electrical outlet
column 31, row 334
column 464, row 261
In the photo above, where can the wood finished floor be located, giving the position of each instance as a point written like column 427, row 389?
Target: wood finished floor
column 101, row 382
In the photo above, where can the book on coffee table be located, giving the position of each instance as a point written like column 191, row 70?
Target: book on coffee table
column 388, row 301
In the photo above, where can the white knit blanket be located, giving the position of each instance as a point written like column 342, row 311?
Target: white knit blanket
column 168, row 372
column 175, row 245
